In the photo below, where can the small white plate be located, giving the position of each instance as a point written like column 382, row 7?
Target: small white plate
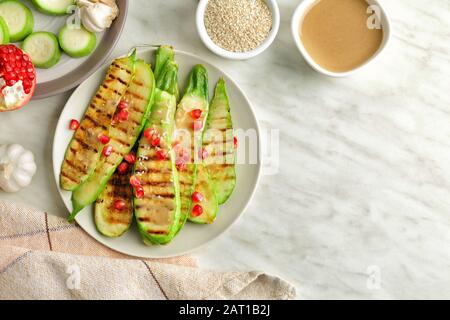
column 192, row 236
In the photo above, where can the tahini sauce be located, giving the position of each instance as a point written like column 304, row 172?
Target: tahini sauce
column 336, row 35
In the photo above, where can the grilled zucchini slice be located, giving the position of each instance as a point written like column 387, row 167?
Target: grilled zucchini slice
column 123, row 135
column 158, row 211
column 110, row 221
column 84, row 150
column 218, row 141
column 190, row 140
column 209, row 204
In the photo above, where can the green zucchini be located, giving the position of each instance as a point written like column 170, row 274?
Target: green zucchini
column 109, row 220
column 195, row 97
column 77, row 42
column 209, row 203
column 123, row 135
column 4, row 32
column 218, row 141
column 158, row 211
column 53, row 7
column 43, row 48
column 84, row 150
column 18, row 18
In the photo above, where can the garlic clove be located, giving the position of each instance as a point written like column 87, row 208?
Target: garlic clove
column 88, row 23
column 15, row 151
column 29, row 168
column 97, row 15
column 22, row 178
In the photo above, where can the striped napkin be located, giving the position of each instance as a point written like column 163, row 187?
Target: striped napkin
column 44, row 257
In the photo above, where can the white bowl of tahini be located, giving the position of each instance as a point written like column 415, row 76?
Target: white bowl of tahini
column 246, row 38
column 332, row 27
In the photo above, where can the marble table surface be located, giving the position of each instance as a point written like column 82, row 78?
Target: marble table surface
column 360, row 206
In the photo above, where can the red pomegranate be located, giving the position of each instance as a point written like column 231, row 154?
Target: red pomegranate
column 17, row 78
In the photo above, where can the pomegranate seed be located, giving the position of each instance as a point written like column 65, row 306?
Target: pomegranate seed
column 139, row 192
column 130, row 158
column 74, row 124
column 123, row 168
column 148, row 133
column 119, row 204
column 123, row 105
column 235, row 141
column 203, row 154
column 135, row 182
column 197, row 125
column 156, row 141
column 196, row 114
column 123, row 115
column 197, row 197
column 107, row 150
column 181, row 163
column 161, row 154
column 104, row 139
column 183, row 154
column 197, row 210
column 181, row 166
column 26, row 83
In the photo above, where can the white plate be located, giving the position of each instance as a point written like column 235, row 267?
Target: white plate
column 192, row 236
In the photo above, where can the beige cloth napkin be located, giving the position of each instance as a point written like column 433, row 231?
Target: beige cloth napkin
column 44, row 257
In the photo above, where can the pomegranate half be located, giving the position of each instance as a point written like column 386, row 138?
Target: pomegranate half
column 17, row 78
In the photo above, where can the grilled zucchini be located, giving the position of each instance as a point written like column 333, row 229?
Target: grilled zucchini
column 218, row 141
column 84, row 150
column 123, row 135
column 190, row 139
column 109, row 220
column 158, row 211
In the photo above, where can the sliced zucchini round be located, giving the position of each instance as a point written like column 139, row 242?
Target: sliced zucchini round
column 43, row 48
column 53, row 7
column 4, row 32
column 77, row 42
column 18, row 18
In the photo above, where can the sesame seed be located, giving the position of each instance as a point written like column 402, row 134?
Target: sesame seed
column 238, row 25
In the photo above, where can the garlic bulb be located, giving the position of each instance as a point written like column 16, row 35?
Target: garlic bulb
column 97, row 15
column 17, row 167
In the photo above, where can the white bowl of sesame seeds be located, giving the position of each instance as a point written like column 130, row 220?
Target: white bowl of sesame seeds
column 238, row 29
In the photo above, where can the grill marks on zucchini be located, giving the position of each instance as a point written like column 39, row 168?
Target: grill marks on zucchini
column 158, row 212
column 195, row 97
column 157, row 207
column 109, row 221
column 84, row 149
column 123, row 136
column 218, row 141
